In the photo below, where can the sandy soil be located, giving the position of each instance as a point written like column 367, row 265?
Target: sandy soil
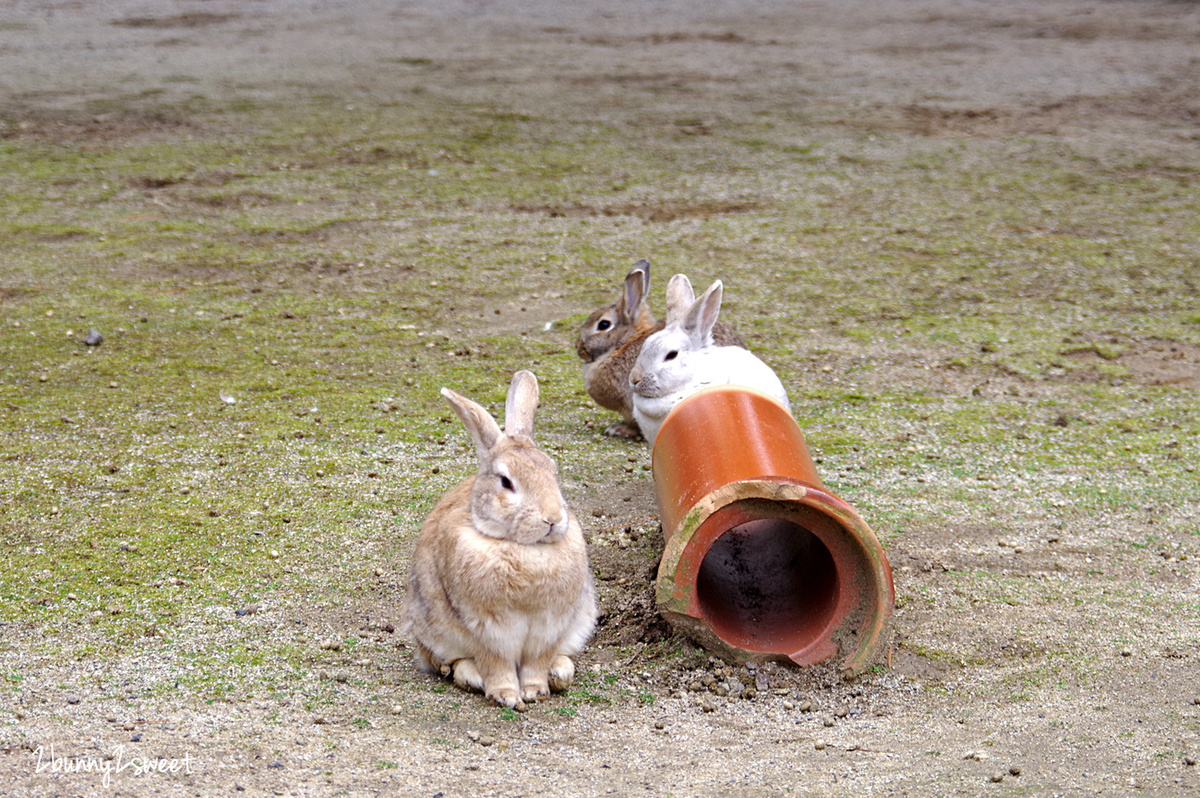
column 1114, row 81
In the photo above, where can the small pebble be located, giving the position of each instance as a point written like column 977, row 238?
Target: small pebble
column 93, row 338
column 806, row 706
column 658, row 724
column 1190, row 761
column 1015, row 770
column 398, row 709
column 996, row 778
column 707, row 705
column 819, row 745
column 828, row 722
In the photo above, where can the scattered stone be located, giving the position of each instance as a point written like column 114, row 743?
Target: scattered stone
column 707, row 705
column 819, row 745
column 398, row 709
column 996, row 778
column 789, row 706
column 828, row 722
column 93, row 338
column 1015, row 770
column 658, row 724
column 332, row 644
column 806, row 706
column 1190, row 761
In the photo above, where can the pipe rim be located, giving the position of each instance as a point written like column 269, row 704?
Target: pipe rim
column 677, row 597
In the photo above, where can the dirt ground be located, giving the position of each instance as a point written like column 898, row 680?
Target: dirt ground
column 1045, row 655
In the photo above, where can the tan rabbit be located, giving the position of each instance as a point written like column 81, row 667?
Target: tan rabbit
column 499, row 591
column 609, row 343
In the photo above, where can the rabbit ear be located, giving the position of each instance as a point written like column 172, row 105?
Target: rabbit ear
column 702, row 315
column 643, row 266
column 680, row 297
column 637, row 282
column 483, row 427
column 522, row 404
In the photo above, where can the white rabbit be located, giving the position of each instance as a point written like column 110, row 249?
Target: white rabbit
column 499, row 589
column 681, row 359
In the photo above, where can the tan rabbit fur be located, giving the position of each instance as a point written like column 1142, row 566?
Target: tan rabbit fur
column 499, row 591
column 609, row 343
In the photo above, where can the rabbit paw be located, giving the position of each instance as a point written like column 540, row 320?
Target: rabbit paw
column 624, row 429
column 507, row 697
column 467, row 675
column 562, row 673
column 532, row 691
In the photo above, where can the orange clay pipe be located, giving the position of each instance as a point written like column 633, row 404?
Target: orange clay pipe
column 761, row 561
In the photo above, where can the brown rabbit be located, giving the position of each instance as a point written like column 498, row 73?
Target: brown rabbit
column 499, row 591
column 609, row 343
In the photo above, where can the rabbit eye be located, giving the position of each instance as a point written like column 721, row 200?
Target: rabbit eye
column 603, row 325
column 671, row 355
column 506, row 483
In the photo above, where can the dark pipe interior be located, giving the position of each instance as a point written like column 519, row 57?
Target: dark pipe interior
column 768, row 585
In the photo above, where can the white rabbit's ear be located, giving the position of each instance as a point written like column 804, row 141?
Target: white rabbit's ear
column 482, row 426
column 680, row 297
column 521, row 406
column 702, row 316
column 637, row 283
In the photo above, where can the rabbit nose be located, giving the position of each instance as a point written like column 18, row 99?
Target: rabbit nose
column 553, row 522
column 635, row 376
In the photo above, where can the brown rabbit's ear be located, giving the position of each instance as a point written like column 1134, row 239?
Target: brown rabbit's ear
column 680, row 297
column 637, row 285
column 482, row 426
column 702, row 316
column 521, row 406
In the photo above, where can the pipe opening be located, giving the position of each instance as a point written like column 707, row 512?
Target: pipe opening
column 768, row 585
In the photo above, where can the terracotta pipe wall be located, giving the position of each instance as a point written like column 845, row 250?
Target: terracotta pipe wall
column 761, row 561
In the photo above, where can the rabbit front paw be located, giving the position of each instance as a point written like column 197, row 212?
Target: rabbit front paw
column 624, row 429
column 507, row 697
